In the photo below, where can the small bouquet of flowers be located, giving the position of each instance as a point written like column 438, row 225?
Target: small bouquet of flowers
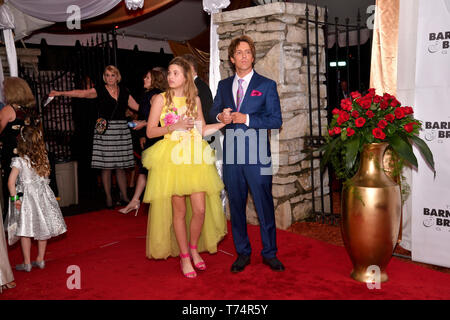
column 171, row 117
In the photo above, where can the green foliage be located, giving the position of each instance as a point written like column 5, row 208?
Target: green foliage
column 371, row 119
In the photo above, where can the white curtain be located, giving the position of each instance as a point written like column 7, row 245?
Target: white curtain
column 11, row 52
column 406, row 75
column 7, row 23
column 211, row 7
column 24, row 24
column 6, row 18
column 56, row 10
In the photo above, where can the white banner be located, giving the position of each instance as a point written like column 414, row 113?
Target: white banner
column 406, row 85
column 431, row 196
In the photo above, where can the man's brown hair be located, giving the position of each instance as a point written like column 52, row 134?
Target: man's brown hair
column 192, row 61
column 235, row 42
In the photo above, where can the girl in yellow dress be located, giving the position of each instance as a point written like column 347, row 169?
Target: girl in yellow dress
column 183, row 186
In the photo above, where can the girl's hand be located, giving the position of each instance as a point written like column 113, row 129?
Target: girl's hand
column 225, row 116
column 183, row 124
column 54, row 93
column 18, row 204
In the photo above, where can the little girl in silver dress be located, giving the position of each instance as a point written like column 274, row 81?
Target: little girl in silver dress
column 37, row 214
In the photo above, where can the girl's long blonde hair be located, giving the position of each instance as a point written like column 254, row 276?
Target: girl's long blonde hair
column 190, row 89
column 31, row 143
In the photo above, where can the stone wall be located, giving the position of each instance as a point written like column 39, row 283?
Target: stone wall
column 29, row 58
column 279, row 33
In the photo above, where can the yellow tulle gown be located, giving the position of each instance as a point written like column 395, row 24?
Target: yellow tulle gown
column 180, row 164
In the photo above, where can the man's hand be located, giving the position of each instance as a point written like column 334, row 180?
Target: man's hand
column 238, row 117
column 225, row 116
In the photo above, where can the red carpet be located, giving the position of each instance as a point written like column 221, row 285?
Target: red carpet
column 109, row 248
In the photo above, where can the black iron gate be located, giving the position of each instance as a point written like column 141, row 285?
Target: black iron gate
column 83, row 68
column 68, row 122
column 342, row 63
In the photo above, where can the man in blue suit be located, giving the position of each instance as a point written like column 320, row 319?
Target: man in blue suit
column 249, row 105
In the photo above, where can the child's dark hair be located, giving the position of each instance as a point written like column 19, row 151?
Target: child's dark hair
column 30, row 142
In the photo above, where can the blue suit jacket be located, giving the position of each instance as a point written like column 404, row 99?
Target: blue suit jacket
column 249, row 145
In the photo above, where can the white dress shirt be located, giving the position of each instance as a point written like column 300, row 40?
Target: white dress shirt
column 245, row 84
column 234, row 88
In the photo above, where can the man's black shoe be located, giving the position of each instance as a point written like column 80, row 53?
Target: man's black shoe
column 241, row 262
column 274, row 264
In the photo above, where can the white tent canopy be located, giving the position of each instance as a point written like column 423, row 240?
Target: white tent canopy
column 7, row 24
column 56, row 10
column 24, row 24
column 25, row 16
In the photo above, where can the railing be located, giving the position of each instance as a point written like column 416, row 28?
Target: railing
column 81, row 70
column 322, row 211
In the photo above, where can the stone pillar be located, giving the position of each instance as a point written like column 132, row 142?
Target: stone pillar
column 279, row 32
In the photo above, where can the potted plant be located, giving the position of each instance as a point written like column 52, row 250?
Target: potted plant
column 371, row 119
column 358, row 135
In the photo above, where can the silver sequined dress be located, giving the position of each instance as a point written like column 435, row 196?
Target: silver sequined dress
column 40, row 216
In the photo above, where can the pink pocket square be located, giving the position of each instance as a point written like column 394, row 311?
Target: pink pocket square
column 256, row 93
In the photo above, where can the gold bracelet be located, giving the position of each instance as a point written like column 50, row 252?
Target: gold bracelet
column 168, row 129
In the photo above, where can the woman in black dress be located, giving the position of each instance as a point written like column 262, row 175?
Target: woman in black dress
column 20, row 107
column 155, row 82
column 112, row 150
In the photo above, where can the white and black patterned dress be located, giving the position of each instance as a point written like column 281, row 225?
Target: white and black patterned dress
column 114, row 148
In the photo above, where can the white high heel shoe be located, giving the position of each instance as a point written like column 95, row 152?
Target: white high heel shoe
column 132, row 205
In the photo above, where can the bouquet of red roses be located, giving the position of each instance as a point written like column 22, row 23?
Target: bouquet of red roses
column 368, row 119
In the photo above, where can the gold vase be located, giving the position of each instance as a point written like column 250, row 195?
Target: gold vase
column 371, row 212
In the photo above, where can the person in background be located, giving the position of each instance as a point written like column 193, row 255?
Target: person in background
column 204, row 93
column 84, row 115
column 20, row 108
column 154, row 83
column 132, row 116
column 112, row 150
column 344, row 93
column 6, row 274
